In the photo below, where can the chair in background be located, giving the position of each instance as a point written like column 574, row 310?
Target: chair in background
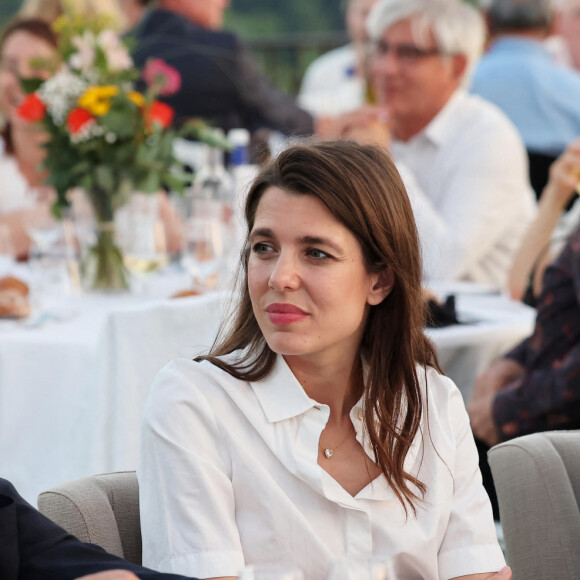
column 537, row 479
column 100, row 509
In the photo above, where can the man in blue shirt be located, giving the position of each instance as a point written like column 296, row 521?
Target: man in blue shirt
column 541, row 98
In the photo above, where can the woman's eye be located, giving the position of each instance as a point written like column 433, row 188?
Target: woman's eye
column 261, row 248
column 318, row 254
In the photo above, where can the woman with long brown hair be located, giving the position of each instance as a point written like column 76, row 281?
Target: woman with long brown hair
column 318, row 426
column 22, row 193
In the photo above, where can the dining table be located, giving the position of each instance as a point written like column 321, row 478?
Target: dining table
column 73, row 383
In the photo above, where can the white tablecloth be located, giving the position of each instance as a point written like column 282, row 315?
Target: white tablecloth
column 72, row 393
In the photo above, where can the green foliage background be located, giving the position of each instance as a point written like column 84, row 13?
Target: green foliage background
column 254, row 18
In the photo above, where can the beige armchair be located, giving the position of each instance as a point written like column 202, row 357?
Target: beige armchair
column 537, row 479
column 100, row 509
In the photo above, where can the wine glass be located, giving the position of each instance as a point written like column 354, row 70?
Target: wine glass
column 43, row 230
column 352, row 569
column 7, row 260
column 142, row 237
column 203, row 248
column 271, row 572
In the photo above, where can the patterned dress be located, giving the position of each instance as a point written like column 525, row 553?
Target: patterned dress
column 546, row 396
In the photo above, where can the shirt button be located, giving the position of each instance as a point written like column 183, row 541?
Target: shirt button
column 360, row 415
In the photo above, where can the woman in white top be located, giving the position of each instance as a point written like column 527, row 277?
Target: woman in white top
column 21, row 191
column 318, row 427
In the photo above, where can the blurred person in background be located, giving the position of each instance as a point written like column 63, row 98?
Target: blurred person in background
column 462, row 160
column 22, row 189
column 22, row 192
column 133, row 11
column 50, row 10
column 567, row 28
column 337, row 81
column 519, row 75
column 550, row 230
column 536, row 387
column 220, row 81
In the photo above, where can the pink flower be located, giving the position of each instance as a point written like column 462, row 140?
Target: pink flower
column 161, row 77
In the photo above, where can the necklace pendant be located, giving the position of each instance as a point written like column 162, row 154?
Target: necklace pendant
column 329, row 453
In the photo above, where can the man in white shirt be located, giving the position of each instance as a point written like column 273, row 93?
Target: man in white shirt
column 336, row 81
column 462, row 161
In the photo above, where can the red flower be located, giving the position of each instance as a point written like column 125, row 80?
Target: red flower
column 160, row 113
column 32, row 109
column 163, row 77
column 78, row 119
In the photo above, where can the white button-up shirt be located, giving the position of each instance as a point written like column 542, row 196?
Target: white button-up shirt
column 229, row 477
column 467, row 177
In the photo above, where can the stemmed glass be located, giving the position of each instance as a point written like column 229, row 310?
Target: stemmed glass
column 7, row 259
column 271, row 572
column 43, row 230
column 373, row 569
column 203, row 248
column 142, row 237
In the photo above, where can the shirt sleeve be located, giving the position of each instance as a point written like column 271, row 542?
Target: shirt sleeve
column 186, row 496
column 484, row 178
column 470, row 543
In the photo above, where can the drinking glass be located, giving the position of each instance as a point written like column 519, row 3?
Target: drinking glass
column 373, row 569
column 203, row 248
column 271, row 572
column 43, row 230
column 7, row 260
column 142, row 237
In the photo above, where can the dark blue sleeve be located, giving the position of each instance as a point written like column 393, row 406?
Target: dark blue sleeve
column 34, row 548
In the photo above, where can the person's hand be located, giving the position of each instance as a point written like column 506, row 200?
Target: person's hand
column 564, row 176
column 480, row 414
column 504, row 574
column 111, row 575
column 368, row 125
column 499, row 374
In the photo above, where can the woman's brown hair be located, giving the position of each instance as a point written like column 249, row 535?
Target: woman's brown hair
column 361, row 187
column 35, row 27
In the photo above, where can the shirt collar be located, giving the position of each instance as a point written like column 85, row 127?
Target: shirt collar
column 510, row 44
column 441, row 127
column 280, row 394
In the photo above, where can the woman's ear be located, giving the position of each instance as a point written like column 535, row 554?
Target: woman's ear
column 382, row 286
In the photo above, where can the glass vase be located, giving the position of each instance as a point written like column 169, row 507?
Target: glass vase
column 102, row 266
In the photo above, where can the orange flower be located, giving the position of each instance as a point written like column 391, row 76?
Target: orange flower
column 32, row 109
column 160, row 113
column 78, row 119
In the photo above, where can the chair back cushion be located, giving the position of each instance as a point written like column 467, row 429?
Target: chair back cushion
column 537, row 479
column 100, row 509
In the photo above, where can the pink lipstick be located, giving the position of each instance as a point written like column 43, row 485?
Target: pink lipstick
column 284, row 313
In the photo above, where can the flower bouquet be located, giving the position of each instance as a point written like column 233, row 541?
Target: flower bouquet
column 104, row 136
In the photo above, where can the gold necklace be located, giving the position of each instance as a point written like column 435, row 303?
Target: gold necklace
column 328, row 451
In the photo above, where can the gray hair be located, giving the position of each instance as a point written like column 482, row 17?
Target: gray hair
column 457, row 26
column 520, row 14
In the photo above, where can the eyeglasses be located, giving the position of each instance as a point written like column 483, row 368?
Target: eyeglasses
column 405, row 53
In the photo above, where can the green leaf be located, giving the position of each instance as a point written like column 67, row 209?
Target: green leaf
column 150, row 184
column 30, row 85
column 105, row 179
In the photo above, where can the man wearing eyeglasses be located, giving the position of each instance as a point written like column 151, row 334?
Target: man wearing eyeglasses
column 462, row 160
